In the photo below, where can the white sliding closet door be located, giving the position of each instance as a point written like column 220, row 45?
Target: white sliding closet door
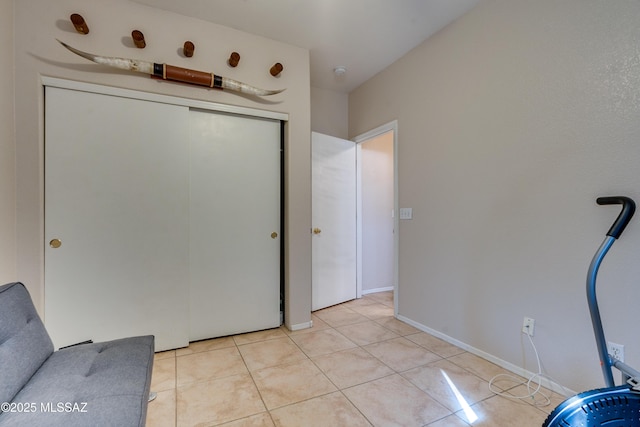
column 234, row 217
column 116, row 197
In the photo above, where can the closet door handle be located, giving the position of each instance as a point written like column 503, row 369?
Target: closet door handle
column 317, row 231
column 55, row 243
column 274, row 235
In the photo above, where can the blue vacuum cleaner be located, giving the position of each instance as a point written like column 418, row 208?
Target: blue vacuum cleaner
column 611, row 406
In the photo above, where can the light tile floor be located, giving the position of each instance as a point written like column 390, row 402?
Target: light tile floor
column 357, row 366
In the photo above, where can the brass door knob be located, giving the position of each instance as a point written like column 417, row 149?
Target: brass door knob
column 317, row 231
column 274, row 235
column 55, row 243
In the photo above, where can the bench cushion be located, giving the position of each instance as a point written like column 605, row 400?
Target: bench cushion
column 99, row 384
column 24, row 342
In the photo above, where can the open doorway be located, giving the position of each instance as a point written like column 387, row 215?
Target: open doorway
column 354, row 225
column 377, row 221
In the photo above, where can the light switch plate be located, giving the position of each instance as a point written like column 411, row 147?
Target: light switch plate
column 406, row 213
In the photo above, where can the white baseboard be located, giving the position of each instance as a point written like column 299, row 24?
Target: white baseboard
column 299, row 326
column 545, row 382
column 373, row 291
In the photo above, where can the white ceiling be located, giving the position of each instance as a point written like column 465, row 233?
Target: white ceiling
column 365, row 36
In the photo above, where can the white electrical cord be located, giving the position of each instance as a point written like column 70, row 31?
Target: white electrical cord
column 531, row 394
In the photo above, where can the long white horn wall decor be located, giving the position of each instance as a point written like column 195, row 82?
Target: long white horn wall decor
column 172, row 73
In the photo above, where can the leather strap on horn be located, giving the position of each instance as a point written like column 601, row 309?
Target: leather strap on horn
column 185, row 75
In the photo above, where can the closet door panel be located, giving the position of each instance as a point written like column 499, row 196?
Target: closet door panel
column 116, row 197
column 234, row 224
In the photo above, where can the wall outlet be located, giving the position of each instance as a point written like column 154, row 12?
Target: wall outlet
column 616, row 351
column 528, row 326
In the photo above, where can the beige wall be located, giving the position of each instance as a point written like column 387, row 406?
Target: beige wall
column 7, row 148
column 39, row 22
column 330, row 112
column 511, row 121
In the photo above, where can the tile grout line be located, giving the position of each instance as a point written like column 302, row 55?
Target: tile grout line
column 393, row 371
column 338, row 389
column 175, row 388
column 253, row 380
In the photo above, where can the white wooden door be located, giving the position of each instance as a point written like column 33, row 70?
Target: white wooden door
column 116, row 197
column 234, row 223
column 333, row 220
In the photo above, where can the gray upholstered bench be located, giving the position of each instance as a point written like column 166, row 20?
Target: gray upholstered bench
column 97, row 384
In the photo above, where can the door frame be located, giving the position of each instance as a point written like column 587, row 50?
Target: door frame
column 373, row 133
column 166, row 99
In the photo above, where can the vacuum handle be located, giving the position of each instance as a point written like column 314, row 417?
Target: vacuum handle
column 628, row 209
